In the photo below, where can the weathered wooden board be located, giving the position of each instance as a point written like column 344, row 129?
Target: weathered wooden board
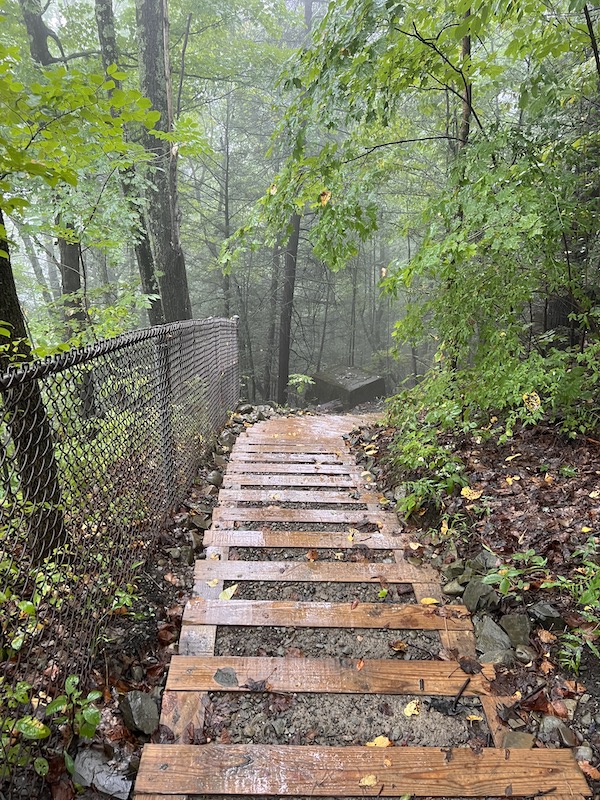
column 338, row 675
column 333, row 448
column 290, row 458
column 265, row 467
column 463, row 642
column 302, row 539
column 318, row 496
column 339, row 771
column 276, row 514
column 289, row 613
column 183, row 714
column 233, row 479
column 306, row 571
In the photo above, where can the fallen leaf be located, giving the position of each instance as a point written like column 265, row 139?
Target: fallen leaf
column 559, row 709
column 547, row 637
column 474, row 718
column 353, row 605
column 444, row 527
column 509, row 480
column 546, row 667
column 226, row 676
column 227, row 594
column 548, row 478
column 595, row 494
column 380, row 741
column 312, row 555
column 368, row 780
column 339, row 556
column 213, row 582
column 171, row 578
column 398, row 646
column 412, row 709
column 429, row 601
column 215, row 556
column 360, row 664
column 470, row 494
column 585, row 529
column 387, row 762
column 590, row 771
column 512, row 458
column 469, row 665
column 256, row 686
column 414, row 545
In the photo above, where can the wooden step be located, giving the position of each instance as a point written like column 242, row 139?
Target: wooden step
column 303, row 539
column 290, row 458
column 332, row 449
column 235, row 496
column 357, row 771
column 323, row 675
column 265, row 467
column 232, row 480
column 305, row 571
column 294, row 614
column 276, row 514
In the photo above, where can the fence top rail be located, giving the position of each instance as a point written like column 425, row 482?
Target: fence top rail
column 51, row 365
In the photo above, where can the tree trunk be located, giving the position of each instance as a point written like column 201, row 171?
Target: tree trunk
column 105, row 22
column 271, row 324
column 225, row 201
column 36, row 266
column 155, row 83
column 24, row 414
column 465, row 120
column 287, row 307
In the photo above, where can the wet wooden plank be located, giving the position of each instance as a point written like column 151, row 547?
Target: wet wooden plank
column 498, row 729
column 334, row 447
column 287, row 613
column 376, row 676
column 276, row 514
column 338, row 771
column 233, row 496
column 265, row 467
column 302, row 539
column 290, row 458
column 231, row 480
column 198, row 640
column 308, row 572
column 182, row 713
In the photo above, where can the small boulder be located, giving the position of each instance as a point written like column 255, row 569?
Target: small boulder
column 517, row 740
column 525, row 654
column 214, row 478
column 226, row 439
column 503, row 657
column 546, row 615
column 479, row 595
column 554, row 729
column 455, row 569
column 140, row 712
column 490, row 636
column 453, row 588
column 517, row 627
column 583, row 753
column 484, row 561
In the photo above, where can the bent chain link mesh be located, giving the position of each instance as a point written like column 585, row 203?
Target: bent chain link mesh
column 95, row 445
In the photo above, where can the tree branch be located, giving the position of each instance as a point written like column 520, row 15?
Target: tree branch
column 369, row 150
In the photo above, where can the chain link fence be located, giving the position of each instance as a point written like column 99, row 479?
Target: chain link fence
column 96, row 445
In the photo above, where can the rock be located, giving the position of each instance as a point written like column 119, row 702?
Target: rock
column 140, row 712
column 187, row 554
column 201, row 521
column 571, row 707
column 214, row 478
column 226, row 439
column 554, row 729
column 220, row 461
column 516, row 740
column 245, row 408
column 453, row 588
column 484, row 562
column 583, row 753
column 490, row 636
column 525, row 654
column 547, row 616
column 175, row 553
column 455, row 569
column 517, row 626
column 93, row 769
column 479, row 595
column 137, row 673
column 505, row 657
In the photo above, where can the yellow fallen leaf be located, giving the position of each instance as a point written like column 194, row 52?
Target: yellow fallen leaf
column 339, row 556
column 548, row 478
column 585, row 529
column 366, row 475
column 594, row 495
column 215, row 556
column 368, row 780
column 474, row 718
column 470, row 494
column 412, row 709
column 509, row 480
column 380, row 741
column 414, row 545
column 398, row 646
column 227, row 594
column 512, row 458
column 387, row 762
column 212, row 582
column 444, row 528
column 429, row 601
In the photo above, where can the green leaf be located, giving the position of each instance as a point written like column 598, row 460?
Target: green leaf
column 32, row 728
column 92, row 715
column 71, row 684
column 69, row 763
column 41, row 766
column 27, row 607
column 58, row 704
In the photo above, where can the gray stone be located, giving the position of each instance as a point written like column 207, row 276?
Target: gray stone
column 140, row 712
column 454, row 569
column 479, row 595
column 226, row 439
column 214, row 478
column 187, row 554
column 517, row 626
column 466, row 576
column 201, row 521
column 583, row 753
column 174, row 552
column 525, row 654
column 490, row 636
column 220, row 461
column 516, row 740
column 245, row 408
column 453, row 588
column 92, row 768
column 505, row 657
column 554, row 729
column 484, row 562
column 137, row 673
column 546, row 615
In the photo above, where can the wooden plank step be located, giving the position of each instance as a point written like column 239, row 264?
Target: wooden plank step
column 231, row 480
column 316, row 571
column 233, row 496
column 303, row 539
column 339, row 771
column 287, row 613
column 274, row 514
column 289, row 458
column 334, row 447
column 266, row 467
column 322, row 675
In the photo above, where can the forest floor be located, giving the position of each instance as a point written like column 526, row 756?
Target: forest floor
column 537, row 492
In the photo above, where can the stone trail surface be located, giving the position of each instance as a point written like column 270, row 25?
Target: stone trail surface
column 293, row 484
